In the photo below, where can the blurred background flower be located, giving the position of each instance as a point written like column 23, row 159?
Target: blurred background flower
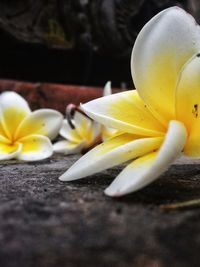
column 79, row 132
column 26, row 135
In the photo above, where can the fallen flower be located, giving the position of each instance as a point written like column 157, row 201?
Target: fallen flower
column 26, row 135
column 160, row 119
column 79, row 131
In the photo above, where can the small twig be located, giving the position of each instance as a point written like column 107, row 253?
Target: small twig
column 181, row 205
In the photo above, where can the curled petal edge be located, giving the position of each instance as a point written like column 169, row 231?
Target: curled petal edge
column 148, row 168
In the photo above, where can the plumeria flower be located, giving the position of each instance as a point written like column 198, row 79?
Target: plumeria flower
column 79, row 131
column 26, row 135
column 160, row 119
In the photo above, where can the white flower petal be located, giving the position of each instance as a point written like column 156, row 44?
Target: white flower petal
column 85, row 127
column 13, row 109
column 68, row 148
column 82, row 123
column 35, row 147
column 45, row 122
column 161, row 49
column 68, row 133
column 4, row 132
column 110, row 153
column 108, row 133
column 126, row 112
column 4, row 139
column 95, row 131
column 188, row 104
column 148, row 168
column 9, row 151
column 107, row 89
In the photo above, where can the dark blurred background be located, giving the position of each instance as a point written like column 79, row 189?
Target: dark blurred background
column 83, row 42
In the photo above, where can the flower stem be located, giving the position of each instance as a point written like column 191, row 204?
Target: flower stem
column 70, row 111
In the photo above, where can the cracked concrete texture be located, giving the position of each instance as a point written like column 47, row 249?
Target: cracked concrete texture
column 48, row 223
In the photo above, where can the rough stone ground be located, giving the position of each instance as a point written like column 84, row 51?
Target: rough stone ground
column 48, row 223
